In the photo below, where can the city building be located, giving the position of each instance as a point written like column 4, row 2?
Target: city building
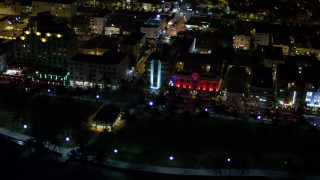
column 261, row 89
column 14, row 7
column 98, row 22
column 120, row 23
column 236, row 82
column 288, row 85
column 59, row 8
column 106, row 118
column 271, row 55
column 196, row 73
column 106, row 70
column 154, row 27
column 5, row 54
column 241, row 41
column 46, row 46
column 261, row 35
column 98, row 45
column 134, row 45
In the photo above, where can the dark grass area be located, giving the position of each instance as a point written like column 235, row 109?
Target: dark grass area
column 196, row 142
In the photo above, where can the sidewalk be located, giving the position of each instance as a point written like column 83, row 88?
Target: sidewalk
column 195, row 172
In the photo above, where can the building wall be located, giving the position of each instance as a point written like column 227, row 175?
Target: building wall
column 52, row 50
column 112, row 30
column 241, row 42
column 13, row 9
column 85, row 74
column 285, row 48
column 153, row 32
column 57, row 9
column 272, row 62
column 97, row 24
column 157, row 73
column 3, row 60
column 134, row 50
column 262, row 39
column 188, row 82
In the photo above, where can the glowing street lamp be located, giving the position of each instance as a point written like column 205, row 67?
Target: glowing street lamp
column 67, row 139
column 171, row 158
column 25, row 126
column 228, row 160
column 49, row 90
column 115, row 151
column 151, row 103
column 97, row 96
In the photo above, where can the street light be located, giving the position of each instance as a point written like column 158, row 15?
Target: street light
column 49, row 90
column 228, row 160
column 151, row 103
column 67, row 139
column 171, row 158
column 115, row 151
column 25, row 126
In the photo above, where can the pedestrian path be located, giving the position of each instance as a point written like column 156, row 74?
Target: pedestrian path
column 195, row 172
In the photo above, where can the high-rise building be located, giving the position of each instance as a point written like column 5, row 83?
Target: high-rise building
column 47, row 46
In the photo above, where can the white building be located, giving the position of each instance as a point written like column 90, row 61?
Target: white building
column 98, row 23
column 112, row 29
column 108, row 69
column 241, row 42
column 59, row 8
column 154, row 27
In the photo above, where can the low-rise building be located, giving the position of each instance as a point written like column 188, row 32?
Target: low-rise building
column 241, row 41
column 106, row 70
column 59, row 8
column 271, row 55
column 98, row 22
column 154, row 27
column 261, row 89
column 106, row 118
column 133, row 45
column 288, row 85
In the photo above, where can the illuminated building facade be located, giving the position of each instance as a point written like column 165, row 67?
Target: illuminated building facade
column 98, row 23
column 46, row 46
column 194, row 82
column 154, row 27
column 108, row 69
column 157, row 71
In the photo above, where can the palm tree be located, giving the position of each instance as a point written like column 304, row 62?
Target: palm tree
column 55, row 144
column 219, row 165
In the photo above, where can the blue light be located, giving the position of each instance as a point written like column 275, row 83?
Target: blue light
column 151, row 103
column 152, row 75
column 115, row 151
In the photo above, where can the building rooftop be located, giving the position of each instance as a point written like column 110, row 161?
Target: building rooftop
column 236, row 80
column 262, row 77
column 103, row 42
column 107, row 114
column 133, row 38
column 272, row 52
column 288, row 72
column 101, row 14
column 154, row 21
column 108, row 58
column 56, row 1
column 300, row 60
